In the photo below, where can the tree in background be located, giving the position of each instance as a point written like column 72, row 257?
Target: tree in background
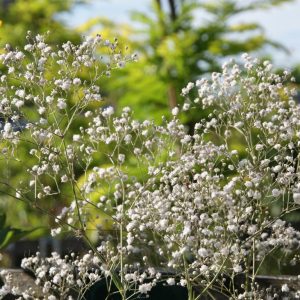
column 39, row 16
column 181, row 40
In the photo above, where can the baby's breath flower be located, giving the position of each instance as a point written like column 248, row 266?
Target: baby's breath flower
column 20, row 93
column 155, row 196
column 285, row 288
column 171, row 281
column 145, row 288
column 56, row 231
column 175, row 111
column 76, row 81
column 186, row 106
column 61, row 104
column 28, row 47
column 107, row 112
column 64, row 178
column 76, row 137
column 19, row 55
column 296, row 197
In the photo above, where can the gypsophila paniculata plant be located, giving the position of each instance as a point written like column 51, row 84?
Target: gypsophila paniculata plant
column 196, row 212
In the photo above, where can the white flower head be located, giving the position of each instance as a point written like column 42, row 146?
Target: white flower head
column 76, row 81
column 145, row 288
column 76, row 137
column 108, row 111
column 285, row 288
column 64, row 178
column 20, row 93
column 61, row 104
column 19, row 55
column 171, row 281
column 175, row 111
column 7, row 127
column 296, row 197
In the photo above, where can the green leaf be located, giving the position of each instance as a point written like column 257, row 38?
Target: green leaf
column 10, row 235
column 4, row 233
column 242, row 27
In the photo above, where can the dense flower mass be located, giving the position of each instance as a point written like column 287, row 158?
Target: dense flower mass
column 182, row 206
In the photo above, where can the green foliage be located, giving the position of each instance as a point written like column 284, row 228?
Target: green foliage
column 38, row 16
column 175, row 48
column 9, row 234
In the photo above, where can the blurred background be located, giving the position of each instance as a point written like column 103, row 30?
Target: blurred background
column 280, row 22
column 177, row 41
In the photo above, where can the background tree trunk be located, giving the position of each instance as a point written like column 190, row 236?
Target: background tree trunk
column 173, row 13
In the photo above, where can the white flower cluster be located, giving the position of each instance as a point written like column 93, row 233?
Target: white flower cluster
column 196, row 210
column 59, row 278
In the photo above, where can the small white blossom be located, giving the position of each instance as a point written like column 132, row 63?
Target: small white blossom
column 107, row 112
column 41, row 110
column 186, row 106
column 19, row 103
column 19, row 55
column 276, row 192
column 145, row 288
column 64, row 178
column 20, row 93
column 259, row 147
column 7, row 128
column 171, row 281
column 121, row 158
column 76, row 137
column 76, row 81
column 175, row 111
column 277, row 168
column 61, row 104
column 237, row 269
column 285, row 288
column 56, row 231
column 296, row 197
column 28, row 47
column 203, row 252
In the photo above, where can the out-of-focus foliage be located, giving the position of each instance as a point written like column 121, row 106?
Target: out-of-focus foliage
column 39, row 16
column 9, row 234
column 179, row 41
